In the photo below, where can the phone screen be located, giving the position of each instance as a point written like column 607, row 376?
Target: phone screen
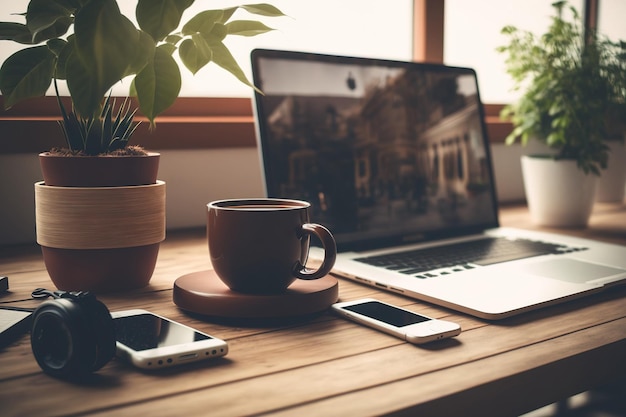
column 146, row 331
column 386, row 313
column 13, row 323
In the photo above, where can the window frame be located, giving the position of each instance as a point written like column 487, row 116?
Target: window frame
column 32, row 126
column 224, row 122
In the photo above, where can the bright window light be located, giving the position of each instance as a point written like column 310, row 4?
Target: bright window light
column 348, row 27
column 472, row 33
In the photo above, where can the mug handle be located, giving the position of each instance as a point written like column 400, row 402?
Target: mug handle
column 330, row 253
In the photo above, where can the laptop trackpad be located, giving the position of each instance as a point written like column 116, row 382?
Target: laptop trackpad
column 571, row 270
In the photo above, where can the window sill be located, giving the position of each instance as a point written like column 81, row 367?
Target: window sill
column 191, row 123
column 497, row 129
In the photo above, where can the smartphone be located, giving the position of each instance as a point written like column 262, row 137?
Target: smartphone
column 150, row 341
column 14, row 322
column 405, row 324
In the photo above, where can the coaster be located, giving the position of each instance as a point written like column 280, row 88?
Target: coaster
column 204, row 293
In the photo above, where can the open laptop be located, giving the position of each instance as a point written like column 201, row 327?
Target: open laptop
column 394, row 158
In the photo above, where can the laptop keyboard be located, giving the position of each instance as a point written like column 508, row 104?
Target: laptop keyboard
column 461, row 256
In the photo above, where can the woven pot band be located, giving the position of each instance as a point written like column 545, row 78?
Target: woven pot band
column 100, row 217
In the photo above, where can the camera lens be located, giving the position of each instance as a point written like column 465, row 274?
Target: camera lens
column 72, row 336
column 51, row 341
column 60, row 339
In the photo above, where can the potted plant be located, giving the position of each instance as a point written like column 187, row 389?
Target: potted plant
column 100, row 218
column 566, row 77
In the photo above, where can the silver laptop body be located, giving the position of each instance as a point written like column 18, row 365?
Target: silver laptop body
column 394, row 158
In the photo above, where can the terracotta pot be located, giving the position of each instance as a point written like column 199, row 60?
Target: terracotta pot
column 99, row 171
column 100, row 270
column 100, row 220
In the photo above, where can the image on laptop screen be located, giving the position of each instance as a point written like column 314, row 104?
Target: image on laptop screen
column 382, row 149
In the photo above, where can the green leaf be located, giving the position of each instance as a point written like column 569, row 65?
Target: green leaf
column 223, row 58
column 553, row 139
column 86, row 94
column 555, row 108
column 106, row 45
column 106, row 116
column 263, row 9
column 508, row 30
column 203, row 22
column 506, row 112
column 16, row 32
column 93, row 139
column 56, row 46
column 195, row 53
column 218, row 33
column 259, row 9
column 25, row 74
column 63, row 55
column 158, row 84
column 72, row 129
column 168, row 47
column 510, row 139
column 49, row 19
column 227, row 14
column 144, row 49
column 246, row 28
column 123, row 126
column 160, row 17
column 173, row 39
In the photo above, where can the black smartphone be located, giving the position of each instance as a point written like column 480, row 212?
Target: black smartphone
column 407, row 325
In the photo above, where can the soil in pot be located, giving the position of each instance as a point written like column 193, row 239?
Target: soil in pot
column 64, row 168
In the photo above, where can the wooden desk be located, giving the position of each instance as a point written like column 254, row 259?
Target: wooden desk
column 328, row 366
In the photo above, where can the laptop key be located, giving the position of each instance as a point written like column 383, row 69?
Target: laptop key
column 461, row 256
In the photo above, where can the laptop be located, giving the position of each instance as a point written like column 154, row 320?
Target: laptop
column 395, row 161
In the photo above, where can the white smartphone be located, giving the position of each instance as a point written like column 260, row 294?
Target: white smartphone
column 402, row 323
column 150, row 341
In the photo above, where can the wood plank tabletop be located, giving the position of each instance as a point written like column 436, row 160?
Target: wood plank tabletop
column 324, row 365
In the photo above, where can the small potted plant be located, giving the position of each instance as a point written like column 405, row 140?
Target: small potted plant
column 566, row 76
column 100, row 229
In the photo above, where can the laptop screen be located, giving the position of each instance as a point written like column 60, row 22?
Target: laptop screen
column 386, row 152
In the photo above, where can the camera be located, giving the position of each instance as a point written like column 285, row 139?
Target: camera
column 72, row 335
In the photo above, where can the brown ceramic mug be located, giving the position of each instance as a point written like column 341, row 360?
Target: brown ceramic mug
column 260, row 246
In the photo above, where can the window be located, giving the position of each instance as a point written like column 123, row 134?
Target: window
column 611, row 18
column 359, row 27
column 472, row 32
column 215, row 110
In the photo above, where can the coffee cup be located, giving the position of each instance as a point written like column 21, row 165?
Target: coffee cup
column 261, row 245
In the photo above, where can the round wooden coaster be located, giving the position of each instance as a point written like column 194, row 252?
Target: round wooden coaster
column 204, row 293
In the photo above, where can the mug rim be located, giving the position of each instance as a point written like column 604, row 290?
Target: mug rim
column 234, row 204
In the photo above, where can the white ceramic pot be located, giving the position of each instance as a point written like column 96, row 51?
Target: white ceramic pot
column 612, row 183
column 557, row 192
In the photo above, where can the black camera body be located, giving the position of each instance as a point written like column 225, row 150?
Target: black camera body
column 72, row 335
